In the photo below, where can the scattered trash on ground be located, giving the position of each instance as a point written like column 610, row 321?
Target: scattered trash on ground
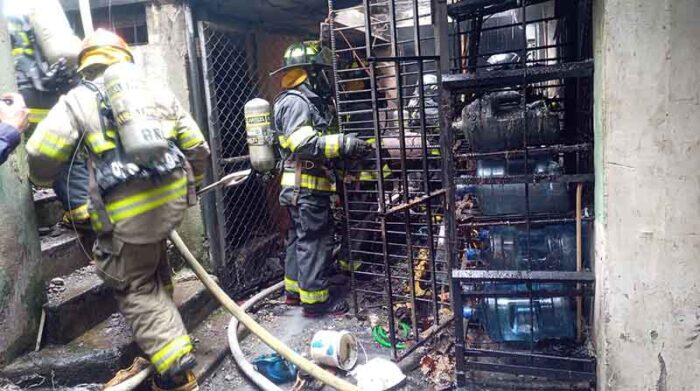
column 334, row 348
column 275, row 368
column 378, row 374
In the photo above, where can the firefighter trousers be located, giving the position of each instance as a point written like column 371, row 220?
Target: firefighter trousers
column 141, row 277
column 309, row 249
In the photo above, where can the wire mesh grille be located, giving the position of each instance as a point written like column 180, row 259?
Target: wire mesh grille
column 236, row 69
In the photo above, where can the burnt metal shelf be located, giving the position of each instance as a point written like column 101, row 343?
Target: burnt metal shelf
column 521, row 275
column 469, row 8
column 492, row 221
column 559, row 148
column 510, row 77
column 527, row 370
column 535, row 178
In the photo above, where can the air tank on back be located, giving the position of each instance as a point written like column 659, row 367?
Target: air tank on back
column 259, row 135
column 53, row 32
column 134, row 109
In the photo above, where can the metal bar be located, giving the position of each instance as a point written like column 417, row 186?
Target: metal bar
column 427, row 338
column 517, row 76
column 331, row 28
column 417, row 58
column 446, row 144
column 560, row 148
column 217, row 232
column 574, row 292
column 415, row 202
column 404, row 173
column 533, row 178
column 470, row 8
column 511, row 354
column 523, row 275
column 233, row 160
column 380, row 184
column 560, row 374
column 534, row 221
column 474, row 40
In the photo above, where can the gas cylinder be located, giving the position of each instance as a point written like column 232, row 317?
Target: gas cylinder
column 53, row 32
column 260, row 137
column 134, row 109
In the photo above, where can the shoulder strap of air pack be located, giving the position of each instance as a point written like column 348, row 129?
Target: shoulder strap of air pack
column 102, row 223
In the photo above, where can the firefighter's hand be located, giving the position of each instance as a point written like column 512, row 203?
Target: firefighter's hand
column 13, row 111
column 355, row 148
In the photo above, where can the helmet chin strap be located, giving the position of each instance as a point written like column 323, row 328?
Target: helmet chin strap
column 318, row 82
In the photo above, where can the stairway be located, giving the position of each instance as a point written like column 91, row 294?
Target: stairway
column 85, row 339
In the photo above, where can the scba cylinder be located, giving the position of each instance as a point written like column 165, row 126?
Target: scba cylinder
column 134, row 109
column 53, row 32
column 259, row 135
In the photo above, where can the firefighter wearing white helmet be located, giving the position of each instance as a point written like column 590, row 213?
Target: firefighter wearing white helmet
column 145, row 155
column 302, row 115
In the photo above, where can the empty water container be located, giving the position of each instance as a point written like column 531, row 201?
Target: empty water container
column 504, row 199
column 511, row 319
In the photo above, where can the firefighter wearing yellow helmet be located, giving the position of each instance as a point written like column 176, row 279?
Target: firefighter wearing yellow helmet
column 136, row 197
column 302, row 115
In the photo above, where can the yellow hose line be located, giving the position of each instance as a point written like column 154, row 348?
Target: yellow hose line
column 269, row 339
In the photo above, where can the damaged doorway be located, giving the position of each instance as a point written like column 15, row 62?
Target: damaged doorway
column 246, row 228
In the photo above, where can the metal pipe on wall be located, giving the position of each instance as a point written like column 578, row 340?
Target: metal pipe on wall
column 86, row 16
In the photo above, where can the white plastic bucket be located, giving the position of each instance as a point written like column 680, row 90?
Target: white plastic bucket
column 334, row 348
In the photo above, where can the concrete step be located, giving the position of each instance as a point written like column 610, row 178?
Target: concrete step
column 99, row 353
column 49, row 210
column 78, row 304
column 63, row 251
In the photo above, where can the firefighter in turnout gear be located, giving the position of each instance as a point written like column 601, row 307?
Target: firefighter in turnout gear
column 302, row 116
column 133, row 203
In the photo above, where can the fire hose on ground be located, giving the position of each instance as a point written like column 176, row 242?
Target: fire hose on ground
column 269, row 339
column 243, row 364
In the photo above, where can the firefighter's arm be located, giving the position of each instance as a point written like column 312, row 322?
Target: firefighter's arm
column 191, row 142
column 305, row 142
column 52, row 144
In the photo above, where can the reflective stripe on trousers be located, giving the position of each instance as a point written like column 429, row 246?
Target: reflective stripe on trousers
column 175, row 349
column 291, row 285
column 313, row 297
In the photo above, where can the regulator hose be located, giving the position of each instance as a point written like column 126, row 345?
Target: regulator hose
column 269, row 339
column 261, row 381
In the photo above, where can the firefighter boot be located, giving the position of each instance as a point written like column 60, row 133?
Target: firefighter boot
column 179, row 377
column 333, row 306
column 123, row 375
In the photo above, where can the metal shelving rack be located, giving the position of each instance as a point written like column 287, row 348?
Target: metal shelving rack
column 552, row 40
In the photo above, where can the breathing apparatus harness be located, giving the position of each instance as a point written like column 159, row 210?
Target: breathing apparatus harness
column 115, row 167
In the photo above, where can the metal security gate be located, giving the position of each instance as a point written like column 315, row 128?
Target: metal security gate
column 247, row 232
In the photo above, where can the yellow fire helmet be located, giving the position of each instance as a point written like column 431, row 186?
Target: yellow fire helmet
column 103, row 47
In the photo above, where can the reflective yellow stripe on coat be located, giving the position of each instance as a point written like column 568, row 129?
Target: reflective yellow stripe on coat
column 144, row 202
column 37, row 115
column 297, row 138
column 50, row 145
column 308, row 182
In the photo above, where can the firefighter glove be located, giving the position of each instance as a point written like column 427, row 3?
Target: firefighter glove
column 356, row 148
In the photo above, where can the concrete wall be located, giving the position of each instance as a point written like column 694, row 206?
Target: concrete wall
column 648, row 194
column 164, row 60
column 21, row 290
